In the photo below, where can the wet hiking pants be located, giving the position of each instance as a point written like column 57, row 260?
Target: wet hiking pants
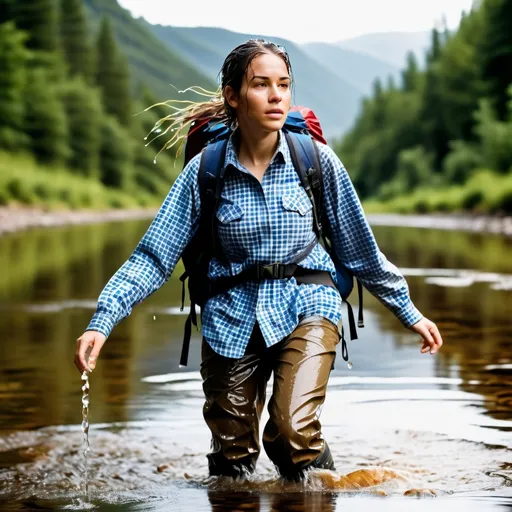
column 235, row 396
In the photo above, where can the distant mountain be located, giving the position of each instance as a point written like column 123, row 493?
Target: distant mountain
column 151, row 62
column 356, row 68
column 391, row 47
column 334, row 99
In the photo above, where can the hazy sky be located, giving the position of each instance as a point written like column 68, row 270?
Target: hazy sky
column 329, row 20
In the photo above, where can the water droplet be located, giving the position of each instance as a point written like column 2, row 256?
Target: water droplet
column 154, row 317
column 158, row 131
column 145, row 138
column 349, row 365
column 154, row 161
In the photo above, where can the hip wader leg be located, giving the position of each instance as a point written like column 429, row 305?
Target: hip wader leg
column 234, row 392
column 301, row 363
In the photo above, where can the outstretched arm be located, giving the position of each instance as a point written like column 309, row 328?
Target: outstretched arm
column 355, row 246
column 150, row 265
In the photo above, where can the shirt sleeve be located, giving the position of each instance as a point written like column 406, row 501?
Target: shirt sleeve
column 355, row 245
column 153, row 260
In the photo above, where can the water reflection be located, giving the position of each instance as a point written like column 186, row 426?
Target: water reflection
column 47, row 296
column 285, row 502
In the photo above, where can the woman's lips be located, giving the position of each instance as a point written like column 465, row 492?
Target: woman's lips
column 275, row 113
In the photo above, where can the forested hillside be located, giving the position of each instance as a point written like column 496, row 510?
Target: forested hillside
column 74, row 78
column 441, row 139
column 77, row 75
column 151, row 61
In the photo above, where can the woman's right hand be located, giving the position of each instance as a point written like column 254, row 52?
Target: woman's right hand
column 92, row 340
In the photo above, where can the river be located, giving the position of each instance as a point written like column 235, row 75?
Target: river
column 441, row 423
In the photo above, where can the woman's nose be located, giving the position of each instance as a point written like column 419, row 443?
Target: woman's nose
column 275, row 95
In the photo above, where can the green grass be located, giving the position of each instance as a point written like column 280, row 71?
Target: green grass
column 485, row 193
column 23, row 181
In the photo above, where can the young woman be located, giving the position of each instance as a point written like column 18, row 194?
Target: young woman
column 275, row 325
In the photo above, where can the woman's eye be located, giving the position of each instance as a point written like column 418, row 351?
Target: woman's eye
column 285, row 86
column 261, row 84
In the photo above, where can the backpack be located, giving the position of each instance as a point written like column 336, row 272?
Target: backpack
column 211, row 137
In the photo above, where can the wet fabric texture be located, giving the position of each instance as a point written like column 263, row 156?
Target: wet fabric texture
column 235, row 392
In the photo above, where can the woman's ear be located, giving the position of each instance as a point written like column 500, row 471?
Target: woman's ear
column 231, row 96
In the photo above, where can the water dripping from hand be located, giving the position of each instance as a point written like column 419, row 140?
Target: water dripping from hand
column 85, row 430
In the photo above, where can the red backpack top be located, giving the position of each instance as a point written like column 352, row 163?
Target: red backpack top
column 206, row 130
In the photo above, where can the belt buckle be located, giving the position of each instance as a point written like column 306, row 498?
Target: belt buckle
column 276, row 270
column 271, row 271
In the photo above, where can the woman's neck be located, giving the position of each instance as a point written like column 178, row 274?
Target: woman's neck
column 257, row 151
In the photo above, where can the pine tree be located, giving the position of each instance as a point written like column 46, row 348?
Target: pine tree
column 112, row 75
column 13, row 57
column 435, row 48
column 84, row 113
column 391, row 85
column 75, row 38
column 496, row 51
column 436, row 135
column 115, row 154
column 45, row 119
column 6, row 10
column 39, row 18
column 410, row 76
column 379, row 104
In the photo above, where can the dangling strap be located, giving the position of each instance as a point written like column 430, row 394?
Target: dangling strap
column 183, row 278
column 351, row 321
column 186, row 339
column 344, row 349
column 360, row 321
column 193, row 314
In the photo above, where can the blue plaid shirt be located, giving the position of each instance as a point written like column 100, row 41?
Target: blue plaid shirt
column 265, row 222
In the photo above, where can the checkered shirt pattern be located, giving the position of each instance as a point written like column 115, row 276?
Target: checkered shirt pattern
column 265, row 222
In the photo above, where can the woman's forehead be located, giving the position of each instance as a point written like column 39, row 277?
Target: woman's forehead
column 267, row 65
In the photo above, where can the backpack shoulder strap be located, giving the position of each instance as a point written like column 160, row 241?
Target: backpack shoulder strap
column 306, row 161
column 211, row 168
column 211, row 182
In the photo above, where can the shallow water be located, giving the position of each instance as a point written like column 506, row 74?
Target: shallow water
column 410, row 420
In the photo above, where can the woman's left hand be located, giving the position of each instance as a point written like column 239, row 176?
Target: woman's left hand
column 428, row 330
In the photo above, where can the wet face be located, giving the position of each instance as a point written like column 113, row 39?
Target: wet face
column 264, row 99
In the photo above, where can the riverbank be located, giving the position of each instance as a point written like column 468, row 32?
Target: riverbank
column 19, row 218
column 448, row 221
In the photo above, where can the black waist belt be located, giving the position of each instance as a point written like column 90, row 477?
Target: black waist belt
column 272, row 271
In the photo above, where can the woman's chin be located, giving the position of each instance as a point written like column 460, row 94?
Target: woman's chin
column 273, row 125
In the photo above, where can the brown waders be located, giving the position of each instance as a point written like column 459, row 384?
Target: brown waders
column 235, row 396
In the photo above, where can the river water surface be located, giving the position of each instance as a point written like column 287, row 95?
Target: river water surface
column 438, row 423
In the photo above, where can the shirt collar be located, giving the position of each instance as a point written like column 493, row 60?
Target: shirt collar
column 282, row 154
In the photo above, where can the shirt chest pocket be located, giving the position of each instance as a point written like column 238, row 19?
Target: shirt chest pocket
column 229, row 212
column 299, row 203
column 295, row 222
column 231, row 231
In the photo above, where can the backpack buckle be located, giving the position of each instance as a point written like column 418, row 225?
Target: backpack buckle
column 271, row 271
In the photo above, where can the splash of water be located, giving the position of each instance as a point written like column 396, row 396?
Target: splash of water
column 85, row 430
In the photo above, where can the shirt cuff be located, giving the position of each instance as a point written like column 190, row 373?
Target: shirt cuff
column 409, row 315
column 102, row 323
